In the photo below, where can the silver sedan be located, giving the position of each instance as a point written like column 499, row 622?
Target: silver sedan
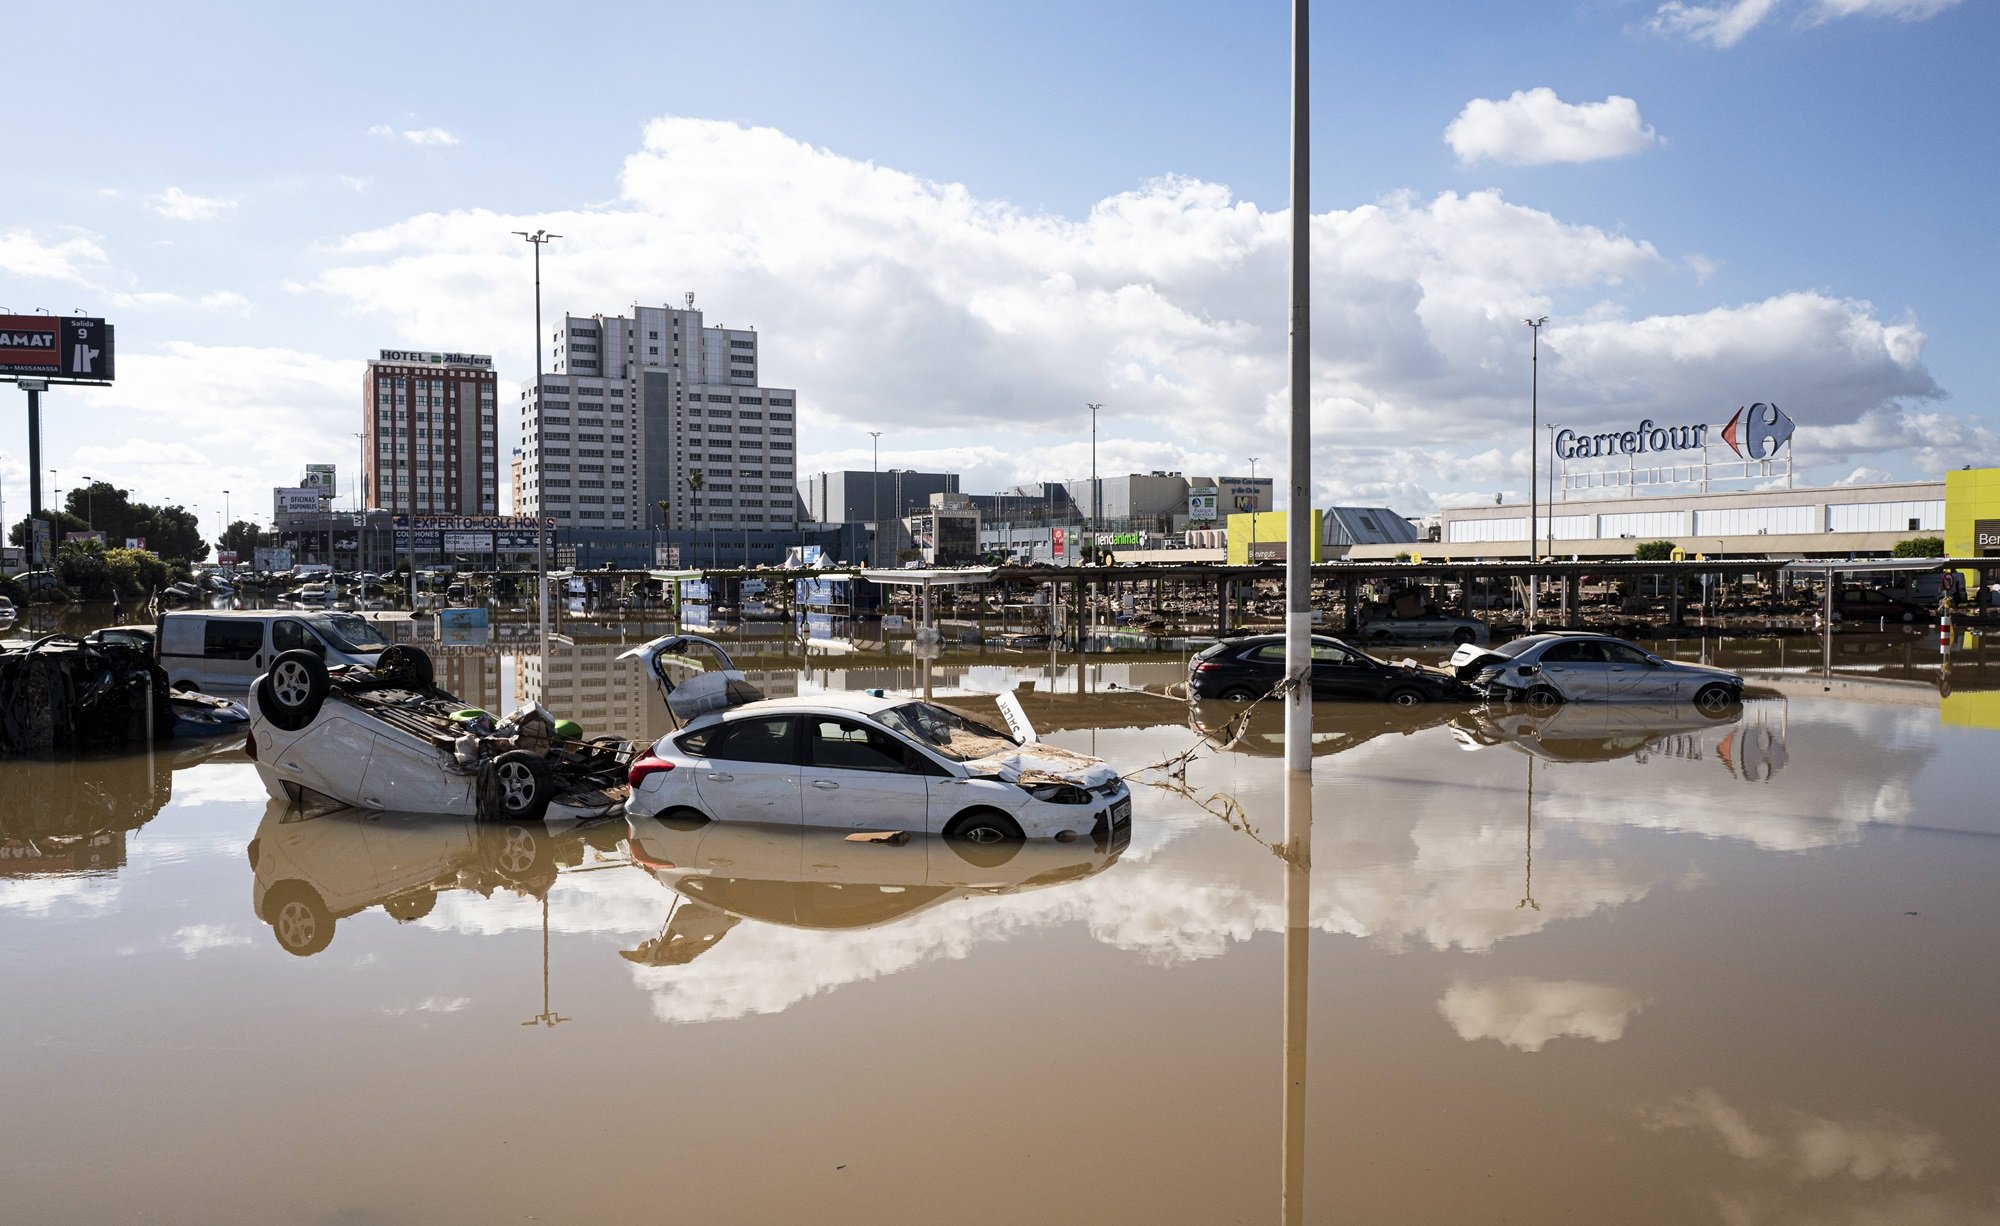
column 1546, row 669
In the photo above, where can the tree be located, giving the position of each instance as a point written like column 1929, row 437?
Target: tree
column 1920, row 547
column 241, row 538
column 1654, row 551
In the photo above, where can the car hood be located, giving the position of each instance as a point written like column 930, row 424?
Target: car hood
column 1044, row 764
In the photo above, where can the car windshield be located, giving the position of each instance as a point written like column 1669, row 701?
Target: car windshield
column 346, row 632
column 1509, row 650
column 958, row 737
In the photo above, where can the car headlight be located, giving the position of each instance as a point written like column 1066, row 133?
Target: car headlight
column 1057, row 793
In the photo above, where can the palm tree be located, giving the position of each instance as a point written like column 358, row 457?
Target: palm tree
column 694, row 504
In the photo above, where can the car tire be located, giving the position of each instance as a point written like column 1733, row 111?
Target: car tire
column 299, row 918
column 525, row 786
column 1543, row 698
column 1406, row 697
column 984, row 838
column 1908, row 616
column 1240, row 693
column 1836, row 615
column 291, row 693
column 411, row 906
column 1716, row 700
column 1462, row 636
column 407, row 666
column 683, row 818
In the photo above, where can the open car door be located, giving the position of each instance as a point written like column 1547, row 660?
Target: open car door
column 694, row 675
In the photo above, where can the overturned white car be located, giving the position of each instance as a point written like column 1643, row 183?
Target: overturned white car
column 860, row 762
column 385, row 737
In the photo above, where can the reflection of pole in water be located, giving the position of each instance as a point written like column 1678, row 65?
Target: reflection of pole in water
column 1298, row 948
column 547, row 1017
column 1528, row 884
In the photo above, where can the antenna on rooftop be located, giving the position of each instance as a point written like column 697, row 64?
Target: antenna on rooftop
column 689, row 296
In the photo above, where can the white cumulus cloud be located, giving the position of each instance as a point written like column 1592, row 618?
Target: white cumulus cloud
column 1808, row 1146
column 1533, row 127
column 415, row 136
column 916, row 307
column 70, row 259
column 178, row 205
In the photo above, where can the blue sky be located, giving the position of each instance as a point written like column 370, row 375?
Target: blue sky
column 958, row 223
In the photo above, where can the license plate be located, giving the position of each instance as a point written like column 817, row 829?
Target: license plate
column 1122, row 811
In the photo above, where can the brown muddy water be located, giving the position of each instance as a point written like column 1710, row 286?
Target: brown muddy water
column 1608, row 965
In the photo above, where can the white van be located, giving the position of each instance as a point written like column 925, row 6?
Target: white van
column 223, row 651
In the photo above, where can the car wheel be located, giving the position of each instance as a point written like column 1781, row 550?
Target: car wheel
column 1543, row 698
column 1908, row 616
column 683, row 818
column 411, row 906
column 984, row 838
column 524, row 785
column 407, row 666
column 291, row 693
column 1462, row 636
column 1836, row 615
column 1716, row 700
column 1407, row 697
column 1240, row 693
column 299, row 918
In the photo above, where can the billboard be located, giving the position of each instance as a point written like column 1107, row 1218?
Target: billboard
column 320, row 477
column 294, row 500
column 70, row 347
column 1201, row 502
column 430, row 358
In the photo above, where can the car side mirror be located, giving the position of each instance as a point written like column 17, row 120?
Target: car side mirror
column 1654, row 662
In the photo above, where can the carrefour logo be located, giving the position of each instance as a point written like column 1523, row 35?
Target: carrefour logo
column 1755, row 432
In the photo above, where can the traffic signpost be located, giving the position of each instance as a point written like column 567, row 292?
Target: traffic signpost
column 35, row 351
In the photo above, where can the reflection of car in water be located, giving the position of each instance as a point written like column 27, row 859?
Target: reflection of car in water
column 314, row 868
column 799, row 877
column 1260, row 730
column 1594, row 732
column 72, row 815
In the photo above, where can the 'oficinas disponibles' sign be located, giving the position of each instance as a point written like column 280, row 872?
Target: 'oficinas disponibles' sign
column 1757, row 432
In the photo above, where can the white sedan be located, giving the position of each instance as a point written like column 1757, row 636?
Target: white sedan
column 864, row 762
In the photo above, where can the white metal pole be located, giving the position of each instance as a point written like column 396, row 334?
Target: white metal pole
column 1298, row 542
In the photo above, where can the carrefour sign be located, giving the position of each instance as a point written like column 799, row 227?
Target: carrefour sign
column 1756, row 432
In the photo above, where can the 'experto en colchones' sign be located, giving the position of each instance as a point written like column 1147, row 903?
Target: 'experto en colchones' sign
column 1756, row 432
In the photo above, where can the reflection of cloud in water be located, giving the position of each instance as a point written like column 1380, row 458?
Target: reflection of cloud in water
column 1527, row 1013
column 1806, row 1146
column 196, row 938
column 43, row 895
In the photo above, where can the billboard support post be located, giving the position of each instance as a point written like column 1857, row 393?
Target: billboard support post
column 34, row 389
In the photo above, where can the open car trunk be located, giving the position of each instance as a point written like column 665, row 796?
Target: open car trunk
column 694, row 675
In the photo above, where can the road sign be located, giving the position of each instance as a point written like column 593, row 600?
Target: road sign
column 56, row 347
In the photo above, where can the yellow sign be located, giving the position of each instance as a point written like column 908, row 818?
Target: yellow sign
column 1416, row 557
column 1679, row 554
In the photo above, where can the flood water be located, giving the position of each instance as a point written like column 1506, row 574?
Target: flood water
column 1614, row 964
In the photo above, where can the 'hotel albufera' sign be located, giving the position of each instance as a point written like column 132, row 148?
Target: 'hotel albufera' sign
column 1756, row 432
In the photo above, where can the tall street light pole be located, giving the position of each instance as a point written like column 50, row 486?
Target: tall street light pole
column 1298, row 545
column 538, row 239
column 875, row 501
column 1096, row 505
column 1534, row 444
column 1251, row 555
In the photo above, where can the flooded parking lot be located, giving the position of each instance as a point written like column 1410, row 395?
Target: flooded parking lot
column 1612, row 963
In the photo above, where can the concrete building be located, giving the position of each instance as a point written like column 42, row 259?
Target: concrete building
column 862, row 496
column 1829, row 521
column 430, row 433
column 656, row 407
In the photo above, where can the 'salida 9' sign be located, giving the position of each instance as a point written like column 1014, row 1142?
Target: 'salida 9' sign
column 1755, row 432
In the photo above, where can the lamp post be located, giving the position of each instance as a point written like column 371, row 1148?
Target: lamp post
column 1251, row 556
column 875, row 501
column 1534, row 442
column 538, row 239
column 88, row 502
column 1096, row 506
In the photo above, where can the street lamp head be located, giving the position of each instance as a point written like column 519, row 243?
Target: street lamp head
column 1536, row 323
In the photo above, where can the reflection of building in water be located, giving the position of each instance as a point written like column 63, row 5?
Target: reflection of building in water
column 472, row 673
column 588, row 683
